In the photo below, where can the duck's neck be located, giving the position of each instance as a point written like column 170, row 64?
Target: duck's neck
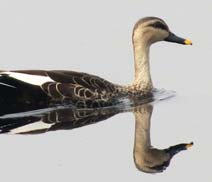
column 142, row 80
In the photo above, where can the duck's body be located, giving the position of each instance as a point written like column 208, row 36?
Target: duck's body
column 82, row 89
column 57, row 86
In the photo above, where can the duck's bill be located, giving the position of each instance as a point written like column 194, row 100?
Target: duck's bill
column 173, row 38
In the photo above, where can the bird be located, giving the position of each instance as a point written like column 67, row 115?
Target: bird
column 83, row 90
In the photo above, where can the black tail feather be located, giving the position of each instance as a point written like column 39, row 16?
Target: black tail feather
column 18, row 96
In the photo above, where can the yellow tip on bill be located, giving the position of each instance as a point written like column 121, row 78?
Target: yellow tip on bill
column 189, row 145
column 188, row 42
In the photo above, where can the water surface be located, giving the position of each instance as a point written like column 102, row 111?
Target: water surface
column 147, row 158
column 95, row 37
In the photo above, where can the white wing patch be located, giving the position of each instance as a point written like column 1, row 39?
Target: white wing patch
column 27, row 78
column 31, row 127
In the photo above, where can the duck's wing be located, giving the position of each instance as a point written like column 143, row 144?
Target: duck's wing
column 62, row 85
column 75, row 85
column 82, row 89
column 71, row 83
column 71, row 77
column 86, row 80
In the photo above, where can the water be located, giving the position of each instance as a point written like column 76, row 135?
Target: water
column 95, row 37
column 147, row 158
column 112, row 144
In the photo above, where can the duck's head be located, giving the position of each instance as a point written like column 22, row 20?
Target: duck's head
column 152, row 29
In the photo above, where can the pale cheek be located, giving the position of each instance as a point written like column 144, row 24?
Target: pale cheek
column 164, row 34
column 160, row 36
column 154, row 36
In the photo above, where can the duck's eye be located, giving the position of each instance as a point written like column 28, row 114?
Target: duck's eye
column 159, row 25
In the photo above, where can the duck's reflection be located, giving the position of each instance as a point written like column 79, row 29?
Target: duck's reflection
column 40, row 121
column 147, row 158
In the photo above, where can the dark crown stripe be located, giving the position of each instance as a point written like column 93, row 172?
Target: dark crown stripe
column 158, row 25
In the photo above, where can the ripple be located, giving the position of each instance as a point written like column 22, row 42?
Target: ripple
column 163, row 94
column 124, row 104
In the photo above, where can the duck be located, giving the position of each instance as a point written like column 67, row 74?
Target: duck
column 83, row 90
